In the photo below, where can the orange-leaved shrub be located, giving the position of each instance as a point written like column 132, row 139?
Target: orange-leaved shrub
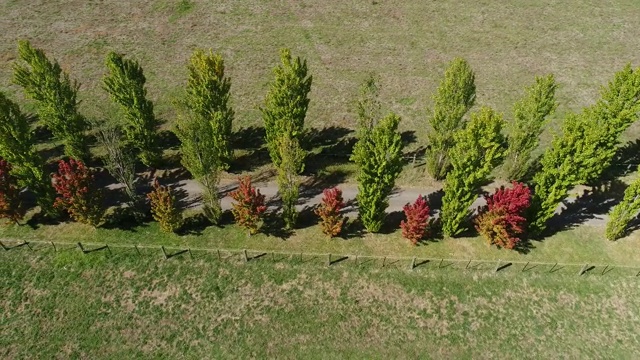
column 248, row 208
column 329, row 211
column 10, row 205
column 417, row 214
column 164, row 208
column 502, row 220
column 77, row 192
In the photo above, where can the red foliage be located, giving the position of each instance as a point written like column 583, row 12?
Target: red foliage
column 415, row 227
column 329, row 211
column 77, row 192
column 502, row 220
column 10, row 205
column 249, row 206
column 164, row 209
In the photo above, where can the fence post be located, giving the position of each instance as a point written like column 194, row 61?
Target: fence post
column 356, row 259
column 498, row 266
column 137, row 250
column 28, row 245
column 54, row 247
column 164, row 252
column 246, row 258
column 605, row 269
column 190, row 253
column 554, row 266
column 384, row 261
column 413, row 263
column 329, row 261
column 81, row 248
column 219, row 258
column 469, row 263
column 525, row 266
column 4, row 247
column 582, row 270
column 273, row 256
column 108, row 248
column 440, row 265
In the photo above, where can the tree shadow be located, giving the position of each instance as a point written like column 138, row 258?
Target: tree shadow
column 597, row 202
column 41, row 133
column 274, row 226
column 625, row 161
column 167, row 140
column 328, row 146
column 351, row 229
column 251, row 141
column 307, row 217
column 392, row 222
column 434, row 200
column 125, row 218
column 194, row 225
column 53, row 152
column 318, row 183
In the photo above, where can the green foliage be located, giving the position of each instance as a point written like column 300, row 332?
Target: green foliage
column 530, row 115
column 164, row 208
column 586, row 147
column 286, row 103
column 455, row 96
column 478, row 149
column 292, row 163
column 378, row 154
column 204, row 129
column 125, row 83
column 56, row 96
column 17, row 147
column 622, row 214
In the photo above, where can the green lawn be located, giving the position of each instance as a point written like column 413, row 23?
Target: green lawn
column 69, row 305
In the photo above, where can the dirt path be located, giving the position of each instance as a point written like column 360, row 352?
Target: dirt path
column 401, row 196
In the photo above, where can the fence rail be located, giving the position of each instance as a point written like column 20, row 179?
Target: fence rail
column 391, row 261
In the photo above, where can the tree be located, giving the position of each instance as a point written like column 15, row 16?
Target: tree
column 10, row 205
column 502, row 220
column 455, row 96
column 330, row 211
column 417, row 214
column 208, row 100
column 125, row 83
column 622, row 214
column 204, row 129
column 56, row 96
column 164, row 208
column 478, row 149
column 249, row 207
column 17, row 147
column 291, row 163
column 530, row 115
column 286, row 103
column 119, row 161
column 368, row 105
column 586, row 147
column 378, row 155
column 77, row 192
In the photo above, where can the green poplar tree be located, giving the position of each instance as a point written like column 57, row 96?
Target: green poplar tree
column 292, row 163
column 368, row 106
column 204, row 129
column 622, row 214
column 17, row 147
column 56, row 98
column 455, row 96
column 286, row 103
column 477, row 150
column 125, row 83
column 530, row 115
column 378, row 154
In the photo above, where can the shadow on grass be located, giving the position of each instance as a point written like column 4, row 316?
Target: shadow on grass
column 625, row 161
column 251, row 143
column 274, row 226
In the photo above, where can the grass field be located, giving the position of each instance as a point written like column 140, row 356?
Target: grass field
column 69, row 305
column 407, row 43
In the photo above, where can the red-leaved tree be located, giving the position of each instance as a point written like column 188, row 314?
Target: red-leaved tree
column 77, row 192
column 330, row 211
column 248, row 208
column 164, row 208
column 415, row 227
column 10, row 205
column 502, row 220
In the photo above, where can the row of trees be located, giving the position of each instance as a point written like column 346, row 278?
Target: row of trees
column 463, row 150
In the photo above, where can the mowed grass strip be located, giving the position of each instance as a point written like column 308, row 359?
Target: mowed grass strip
column 99, row 306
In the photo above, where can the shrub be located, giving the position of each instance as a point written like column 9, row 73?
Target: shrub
column 330, row 211
column 417, row 214
column 56, row 97
column 502, row 220
column 291, row 163
column 455, row 96
column 378, row 154
column 10, row 205
column 164, row 208
column 249, row 206
column 77, row 192
column 478, row 149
